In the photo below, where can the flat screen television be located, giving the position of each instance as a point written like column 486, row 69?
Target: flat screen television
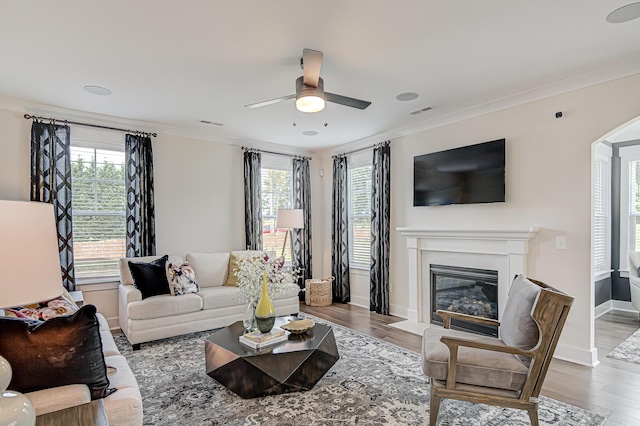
column 467, row 175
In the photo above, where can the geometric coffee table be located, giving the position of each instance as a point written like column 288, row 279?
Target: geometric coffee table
column 294, row 365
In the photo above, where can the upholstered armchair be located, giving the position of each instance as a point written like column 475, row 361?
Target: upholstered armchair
column 634, row 279
column 506, row 371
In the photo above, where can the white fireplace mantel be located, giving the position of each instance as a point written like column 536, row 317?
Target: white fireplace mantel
column 503, row 250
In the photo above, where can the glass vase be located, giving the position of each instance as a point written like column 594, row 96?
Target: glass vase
column 265, row 313
column 249, row 319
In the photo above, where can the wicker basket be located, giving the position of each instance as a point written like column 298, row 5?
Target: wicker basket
column 318, row 292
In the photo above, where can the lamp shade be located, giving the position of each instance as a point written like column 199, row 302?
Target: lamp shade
column 290, row 218
column 29, row 249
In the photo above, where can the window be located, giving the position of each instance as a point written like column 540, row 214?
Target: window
column 629, row 202
column 601, row 211
column 98, row 210
column 277, row 189
column 360, row 214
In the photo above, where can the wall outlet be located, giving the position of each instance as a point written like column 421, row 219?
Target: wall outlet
column 561, row 243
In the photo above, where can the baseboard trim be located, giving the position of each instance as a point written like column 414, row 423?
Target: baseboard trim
column 114, row 323
column 577, row 356
column 359, row 301
column 602, row 309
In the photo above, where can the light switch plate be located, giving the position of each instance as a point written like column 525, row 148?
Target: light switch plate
column 561, row 243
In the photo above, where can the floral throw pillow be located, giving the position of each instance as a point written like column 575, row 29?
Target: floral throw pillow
column 58, row 307
column 183, row 279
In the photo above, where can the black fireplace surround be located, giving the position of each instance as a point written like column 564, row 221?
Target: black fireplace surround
column 466, row 291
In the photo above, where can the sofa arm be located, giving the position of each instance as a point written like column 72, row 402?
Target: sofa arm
column 54, row 399
column 129, row 293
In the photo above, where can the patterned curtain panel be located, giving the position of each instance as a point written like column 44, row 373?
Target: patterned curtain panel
column 340, row 232
column 51, row 183
column 380, row 226
column 302, row 200
column 253, row 200
column 141, row 217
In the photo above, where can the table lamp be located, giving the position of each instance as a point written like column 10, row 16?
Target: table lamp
column 29, row 244
column 290, row 219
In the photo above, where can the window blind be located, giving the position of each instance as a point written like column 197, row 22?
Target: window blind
column 360, row 217
column 98, row 209
column 601, row 214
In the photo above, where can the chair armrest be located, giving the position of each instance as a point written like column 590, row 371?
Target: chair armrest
column 447, row 316
column 453, row 343
column 59, row 398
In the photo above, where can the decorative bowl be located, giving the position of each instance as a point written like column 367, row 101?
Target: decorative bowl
column 298, row 326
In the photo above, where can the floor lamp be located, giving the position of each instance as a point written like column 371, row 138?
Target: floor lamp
column 290, row 219
column 30, row 245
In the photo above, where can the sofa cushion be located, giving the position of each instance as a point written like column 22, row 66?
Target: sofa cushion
column 164, row 306
column 182, row 279
column 219, row 297
column 61, row 351
column 232, row 280
column 475, row 366
column 517, row 327
column 210, row 268
column 125, row 273
column 150, row 278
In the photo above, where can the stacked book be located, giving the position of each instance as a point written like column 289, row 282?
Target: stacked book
column 257, row 340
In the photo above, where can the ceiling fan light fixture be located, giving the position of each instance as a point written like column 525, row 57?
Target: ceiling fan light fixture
column 309, row 98
column 310, row 103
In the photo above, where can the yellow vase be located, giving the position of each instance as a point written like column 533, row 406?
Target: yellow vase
column 265, row 313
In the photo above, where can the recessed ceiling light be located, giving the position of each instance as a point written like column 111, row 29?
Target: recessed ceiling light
column 97, row 90
column 309, row 133
column 407, row 96
column 625, row 13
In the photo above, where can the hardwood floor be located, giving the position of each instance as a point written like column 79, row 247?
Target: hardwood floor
column 611, row 389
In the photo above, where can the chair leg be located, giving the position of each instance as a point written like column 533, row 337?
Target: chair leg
column 434, row 406
column 533, row 416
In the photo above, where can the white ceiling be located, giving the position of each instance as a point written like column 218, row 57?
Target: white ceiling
column 170, row 64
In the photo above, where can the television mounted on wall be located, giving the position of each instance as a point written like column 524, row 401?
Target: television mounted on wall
column 468, row 175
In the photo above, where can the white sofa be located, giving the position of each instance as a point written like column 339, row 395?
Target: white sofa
column 634, row 279
column 215, row 305
column 123, row 407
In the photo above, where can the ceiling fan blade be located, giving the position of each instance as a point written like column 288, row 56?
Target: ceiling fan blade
column 311, row 63
column 270, row 102
column 346, row 101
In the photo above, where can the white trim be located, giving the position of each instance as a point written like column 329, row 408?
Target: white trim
column 602, row 309
column 360, row 301
column 624, row 273
column 622, row 305
column 602, row 275
column 98, row 286
column 578, row 356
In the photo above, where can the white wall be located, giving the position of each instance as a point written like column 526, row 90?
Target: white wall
column 199, row 196
column 548, row 186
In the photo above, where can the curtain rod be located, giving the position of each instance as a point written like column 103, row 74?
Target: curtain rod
column 245, row 148
column 53, row 120
column 361, row 149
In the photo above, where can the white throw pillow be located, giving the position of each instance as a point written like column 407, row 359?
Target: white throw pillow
column 210, row 268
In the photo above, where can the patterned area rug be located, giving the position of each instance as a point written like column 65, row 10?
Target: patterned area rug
column 373, row 383
column 629, row 350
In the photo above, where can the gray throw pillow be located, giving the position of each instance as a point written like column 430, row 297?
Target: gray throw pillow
column 517, row 327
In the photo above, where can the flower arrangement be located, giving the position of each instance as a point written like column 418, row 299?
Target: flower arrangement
column 250, row 272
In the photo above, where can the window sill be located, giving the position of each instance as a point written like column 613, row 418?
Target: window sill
column 97, row 284
column 601, row 275
column 624, row 274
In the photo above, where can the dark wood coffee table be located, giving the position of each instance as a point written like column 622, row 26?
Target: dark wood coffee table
column 291, row 366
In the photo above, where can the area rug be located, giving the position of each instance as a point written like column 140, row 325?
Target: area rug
column 373, row 383
column 629, row 350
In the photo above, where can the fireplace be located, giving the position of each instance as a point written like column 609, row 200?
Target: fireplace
column 467, row 291
column 502, row 250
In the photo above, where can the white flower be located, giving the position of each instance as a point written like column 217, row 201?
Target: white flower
column 250, row 272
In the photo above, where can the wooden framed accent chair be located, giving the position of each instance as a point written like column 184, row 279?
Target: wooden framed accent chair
column 507, row 370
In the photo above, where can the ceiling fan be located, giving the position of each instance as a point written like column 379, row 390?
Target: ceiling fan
column 310, row 95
